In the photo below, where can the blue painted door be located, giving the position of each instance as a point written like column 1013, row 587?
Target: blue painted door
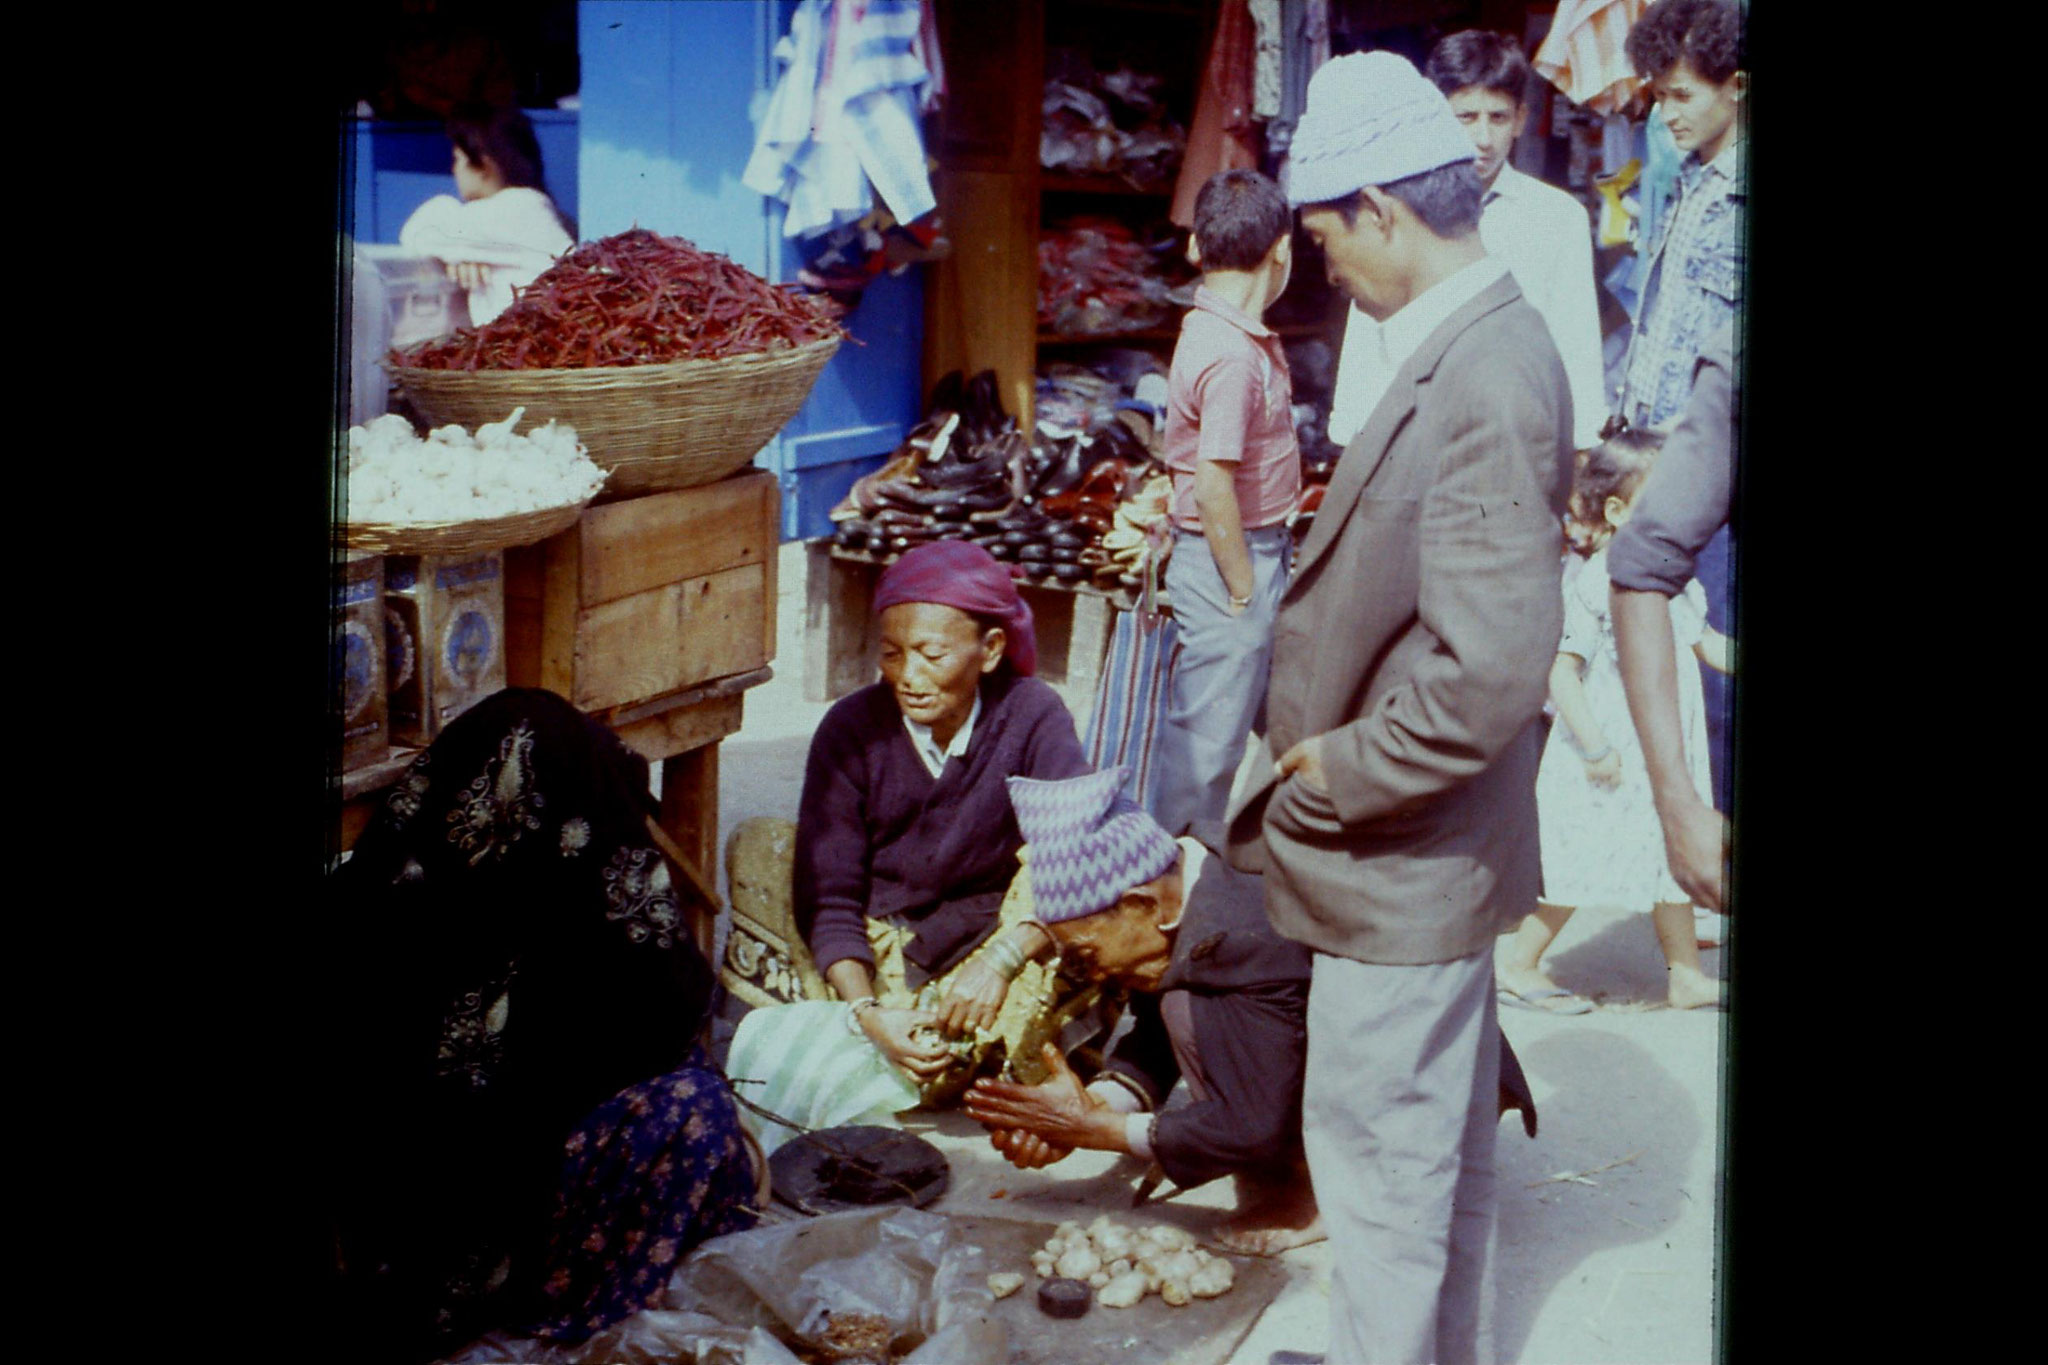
column 666, row 131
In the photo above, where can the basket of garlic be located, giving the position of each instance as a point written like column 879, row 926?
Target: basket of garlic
column 454, row 493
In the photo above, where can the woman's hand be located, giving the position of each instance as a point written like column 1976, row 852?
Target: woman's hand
column 891, row 1031
column 1060, row 1112
column 974, row 999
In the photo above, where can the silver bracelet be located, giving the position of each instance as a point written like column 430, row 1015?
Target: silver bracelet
column 1605, row 750
column 1005, row 958
column 853, row 1015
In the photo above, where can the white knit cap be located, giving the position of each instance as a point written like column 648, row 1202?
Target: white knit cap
column 1371, row 119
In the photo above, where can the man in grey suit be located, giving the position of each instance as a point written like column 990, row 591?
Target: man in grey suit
column 1397, row 826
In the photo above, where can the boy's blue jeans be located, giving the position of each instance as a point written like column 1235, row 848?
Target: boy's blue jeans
column 1218, row 694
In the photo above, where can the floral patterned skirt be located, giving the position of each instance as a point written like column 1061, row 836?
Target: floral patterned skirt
column 653, row 1171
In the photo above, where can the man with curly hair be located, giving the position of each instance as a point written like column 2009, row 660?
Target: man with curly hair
column 1691, row 53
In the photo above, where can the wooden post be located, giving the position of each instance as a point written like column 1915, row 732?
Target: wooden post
column 1088, row 640
column 689, row 808
column 840, row 636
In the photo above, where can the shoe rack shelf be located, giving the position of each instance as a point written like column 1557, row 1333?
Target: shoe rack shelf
column 982, row 303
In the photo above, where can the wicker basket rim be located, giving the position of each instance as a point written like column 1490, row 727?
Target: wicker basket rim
column 477, row 523
column 743, row 360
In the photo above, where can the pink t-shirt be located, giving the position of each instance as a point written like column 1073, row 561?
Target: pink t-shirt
column 1229, row 397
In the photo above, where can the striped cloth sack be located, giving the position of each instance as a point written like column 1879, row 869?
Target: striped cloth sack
column 801, row 1062
column 1131, row 700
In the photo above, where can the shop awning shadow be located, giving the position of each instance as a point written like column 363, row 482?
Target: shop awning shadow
column 1548, row 1228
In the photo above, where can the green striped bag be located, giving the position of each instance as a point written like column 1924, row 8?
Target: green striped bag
column 801, row 1062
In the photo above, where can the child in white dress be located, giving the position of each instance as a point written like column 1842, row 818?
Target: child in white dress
column 1601, row 841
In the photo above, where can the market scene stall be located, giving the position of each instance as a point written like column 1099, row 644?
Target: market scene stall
column 934, row 603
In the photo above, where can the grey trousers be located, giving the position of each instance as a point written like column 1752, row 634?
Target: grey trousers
column 1398, row 1115
column 1219, row 681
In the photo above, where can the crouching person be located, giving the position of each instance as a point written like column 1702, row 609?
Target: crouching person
column 1217, row 998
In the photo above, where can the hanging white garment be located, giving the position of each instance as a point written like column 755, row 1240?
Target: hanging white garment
column 822, row 185
column 842, row 125
column 1583, row 54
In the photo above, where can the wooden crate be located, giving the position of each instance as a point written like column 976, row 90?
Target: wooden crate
column 648, row 596
column 365, row 729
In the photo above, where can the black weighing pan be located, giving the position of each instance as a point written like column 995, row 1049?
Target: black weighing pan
column 857, row 1167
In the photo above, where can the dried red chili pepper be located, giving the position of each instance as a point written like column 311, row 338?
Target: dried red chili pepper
column 635, row 298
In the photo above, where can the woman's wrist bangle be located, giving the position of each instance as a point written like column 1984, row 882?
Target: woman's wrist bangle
column 1605, row 750
column 853, row 1015
column 1005, row 957
column 1243, row 601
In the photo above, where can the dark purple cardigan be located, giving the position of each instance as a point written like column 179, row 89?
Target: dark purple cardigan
column 878, row 836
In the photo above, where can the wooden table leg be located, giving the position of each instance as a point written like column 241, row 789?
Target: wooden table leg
column 689, row 815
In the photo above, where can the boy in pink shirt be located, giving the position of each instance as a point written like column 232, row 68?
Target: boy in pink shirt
column 1230, row 445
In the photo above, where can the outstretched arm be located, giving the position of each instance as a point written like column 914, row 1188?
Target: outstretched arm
column 1695, row 836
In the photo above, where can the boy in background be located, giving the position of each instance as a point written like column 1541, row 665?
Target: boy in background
column 1230, row 445
column 1541, row 232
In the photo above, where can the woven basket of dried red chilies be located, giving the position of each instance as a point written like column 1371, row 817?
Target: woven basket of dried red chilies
column 674, row 365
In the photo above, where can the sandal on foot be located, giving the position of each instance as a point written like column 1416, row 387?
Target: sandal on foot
column 1567, row 1003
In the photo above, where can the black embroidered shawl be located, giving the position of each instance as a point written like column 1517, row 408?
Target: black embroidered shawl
column 509, row 952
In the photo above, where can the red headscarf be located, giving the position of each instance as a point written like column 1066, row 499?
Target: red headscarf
column 954, row 573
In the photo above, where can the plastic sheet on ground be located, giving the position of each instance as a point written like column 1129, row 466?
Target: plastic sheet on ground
column 738, row 1298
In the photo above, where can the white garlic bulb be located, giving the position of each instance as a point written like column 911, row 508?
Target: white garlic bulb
column 1113, row 1242
column 1213, row 1278
column 1078, row 1263
column 1122, row 1291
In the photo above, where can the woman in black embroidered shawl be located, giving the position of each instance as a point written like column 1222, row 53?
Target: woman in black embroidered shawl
column 530, row 1135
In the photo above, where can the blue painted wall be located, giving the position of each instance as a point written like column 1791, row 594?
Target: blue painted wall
column 400, row 165
column 666, row 133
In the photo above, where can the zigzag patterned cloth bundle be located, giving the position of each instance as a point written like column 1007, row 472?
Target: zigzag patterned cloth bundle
column 1086, row 843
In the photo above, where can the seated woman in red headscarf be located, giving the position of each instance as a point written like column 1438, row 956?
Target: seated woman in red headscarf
column 906, row 844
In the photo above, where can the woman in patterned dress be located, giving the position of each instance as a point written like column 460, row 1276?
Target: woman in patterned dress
column 527, row 1131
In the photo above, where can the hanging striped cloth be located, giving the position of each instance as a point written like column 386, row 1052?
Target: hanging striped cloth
column 1131, row 700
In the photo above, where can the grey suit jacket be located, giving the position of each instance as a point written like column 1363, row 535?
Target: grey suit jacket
column 1416, row 638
